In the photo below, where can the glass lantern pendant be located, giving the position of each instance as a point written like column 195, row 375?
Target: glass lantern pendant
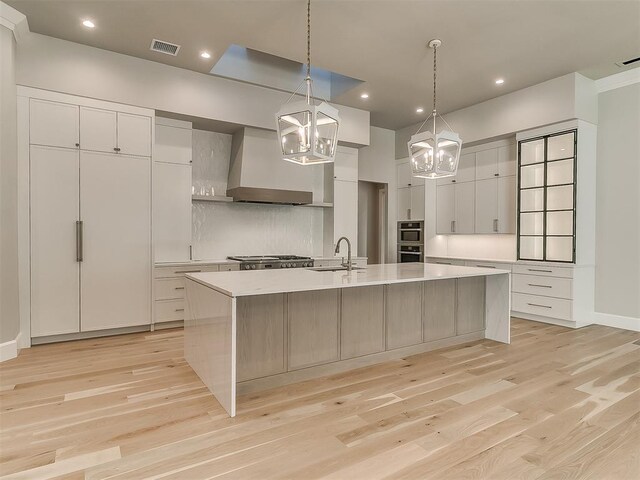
column 308, row 133
column 432, row 154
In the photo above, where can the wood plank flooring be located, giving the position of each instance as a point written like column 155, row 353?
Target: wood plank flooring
column 555, row 404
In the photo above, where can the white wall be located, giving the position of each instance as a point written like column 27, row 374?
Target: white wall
column 53, row 64
column 9, row 308
column 618, row 203
column 221, row 229
column 376, row 163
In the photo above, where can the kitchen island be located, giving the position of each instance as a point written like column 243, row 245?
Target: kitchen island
column 246, row 331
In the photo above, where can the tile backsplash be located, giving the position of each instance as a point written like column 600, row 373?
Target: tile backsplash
column 222, row 229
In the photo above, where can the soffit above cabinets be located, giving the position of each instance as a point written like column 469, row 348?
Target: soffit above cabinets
column 380, row 43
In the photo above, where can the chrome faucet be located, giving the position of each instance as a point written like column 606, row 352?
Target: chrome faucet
column 348, row 264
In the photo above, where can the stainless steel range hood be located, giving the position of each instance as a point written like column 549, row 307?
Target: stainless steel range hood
column 257, row 173
column 269, row 195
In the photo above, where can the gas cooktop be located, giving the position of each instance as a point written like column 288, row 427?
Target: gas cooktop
column 263, row 262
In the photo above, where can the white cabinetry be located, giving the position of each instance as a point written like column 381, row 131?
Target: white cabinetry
column 104, row 130
column 55, row 273
column 410, row 193
column 342, row 219
column 172, row 191
column 90, row 224
column 53, row 123
column 454, row 208
column 483, row 192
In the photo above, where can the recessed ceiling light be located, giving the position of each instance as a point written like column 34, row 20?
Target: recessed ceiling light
column 88, row 23
column 500, row 81
column 205, row 54
column 419, row 110
column 364, row 95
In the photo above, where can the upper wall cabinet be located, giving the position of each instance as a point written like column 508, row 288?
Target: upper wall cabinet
column 484, row 198
column 108, row 131
column 173, row 143
column 54, row 124
column 345, row 166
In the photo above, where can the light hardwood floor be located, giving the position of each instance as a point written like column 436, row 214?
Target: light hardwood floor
column 555, row 404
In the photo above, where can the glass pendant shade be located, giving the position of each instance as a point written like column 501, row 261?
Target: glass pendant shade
column 434, row 155
column 308, row 133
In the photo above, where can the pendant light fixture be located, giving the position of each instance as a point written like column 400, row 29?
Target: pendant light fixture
column 433, row 154
column 308, row 133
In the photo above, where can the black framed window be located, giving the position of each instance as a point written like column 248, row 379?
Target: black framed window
column 547, row 198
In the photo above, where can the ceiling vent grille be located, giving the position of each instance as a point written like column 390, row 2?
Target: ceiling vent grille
column 628, row 62
column 165, row 47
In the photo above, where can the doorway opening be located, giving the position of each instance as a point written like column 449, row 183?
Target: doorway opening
column 372, row 221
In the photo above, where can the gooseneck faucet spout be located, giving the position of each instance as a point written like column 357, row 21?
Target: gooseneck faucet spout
column 348, row 264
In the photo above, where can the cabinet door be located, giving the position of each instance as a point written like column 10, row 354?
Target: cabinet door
column 55, row 286
column 404, row 203
column 470, row 307
column 445, row 208
column 134, row 134
column 98, row 130
column 313, row 328
column 403, row 305
column 171, row 212
column 362, row 321
column 439, row 309
column 487, row 206
column 507, row 159
column 54, row 124
column 345, row 212
column 487, row 164
column 403, row 172
column 260, row 326
column 345, row 166
column 464, row 207
column 173, row 145
column 115, row 207
column 507, row 204
column 417, row 202
column 466, row 168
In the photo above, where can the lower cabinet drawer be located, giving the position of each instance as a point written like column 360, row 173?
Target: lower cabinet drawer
column 543, row 270
column 539, row 285
column 501, row 266
column 169, row 288
column 229, row 267
column 169, row 310
column 543, row 306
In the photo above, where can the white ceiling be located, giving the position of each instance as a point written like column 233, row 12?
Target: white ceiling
column 381, row 42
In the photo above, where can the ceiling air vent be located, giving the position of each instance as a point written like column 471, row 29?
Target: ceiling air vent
column 165, row 47
column 628, row 62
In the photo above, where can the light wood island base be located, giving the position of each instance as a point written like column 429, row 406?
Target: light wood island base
column 250, row 331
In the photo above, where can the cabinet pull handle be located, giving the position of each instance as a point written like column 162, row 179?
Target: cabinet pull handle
column 188, row 271
column 496, row 174
column 485, row 266
column 539, row 270
column 116, row 149
column 79, row 245
column 453, row 226
column 179, row 288
column 495, row 224
column 78, row 145
column 453, row 181
column 443, row 263
column 538, row 305
column 537, row 285
column 179, row 309
column 408, row 214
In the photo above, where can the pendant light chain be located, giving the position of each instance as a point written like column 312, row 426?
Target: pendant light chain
column 435, row 50
column 308, row 38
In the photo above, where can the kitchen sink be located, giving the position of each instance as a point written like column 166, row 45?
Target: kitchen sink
column 334, row 269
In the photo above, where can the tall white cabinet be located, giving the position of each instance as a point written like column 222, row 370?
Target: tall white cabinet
column 172, row 191
column 410, row 193
column 342, row 219
column 90, row 214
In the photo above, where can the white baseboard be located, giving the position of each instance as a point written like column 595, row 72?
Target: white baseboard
column 617, row 321
column 9, row 350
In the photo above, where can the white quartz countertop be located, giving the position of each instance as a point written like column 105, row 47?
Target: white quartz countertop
column 262, row 282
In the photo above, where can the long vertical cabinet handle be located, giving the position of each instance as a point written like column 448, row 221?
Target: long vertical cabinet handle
column 453, row 226
column 79, row 246
column 495, row 224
